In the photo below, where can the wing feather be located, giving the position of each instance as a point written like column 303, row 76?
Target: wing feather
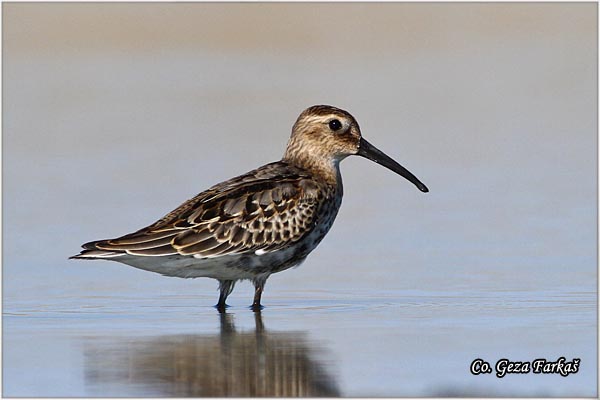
column 265, row 209
column 166, row 250
column 150, row 244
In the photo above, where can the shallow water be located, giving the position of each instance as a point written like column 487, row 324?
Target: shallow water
column 108, row 127
column 316, row 343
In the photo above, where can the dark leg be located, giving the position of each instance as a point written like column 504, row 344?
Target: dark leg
column 259, row 285
column 225, row 287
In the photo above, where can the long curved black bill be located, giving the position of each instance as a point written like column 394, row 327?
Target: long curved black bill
column 367, row 150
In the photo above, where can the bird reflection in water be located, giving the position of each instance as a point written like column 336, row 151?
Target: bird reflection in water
column 229, row 364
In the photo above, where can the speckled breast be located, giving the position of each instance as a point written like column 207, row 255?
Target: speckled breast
column 297, row 252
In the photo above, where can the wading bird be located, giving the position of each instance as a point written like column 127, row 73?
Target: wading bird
column 259, row 223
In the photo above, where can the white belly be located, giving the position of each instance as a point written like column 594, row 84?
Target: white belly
column 228, row 267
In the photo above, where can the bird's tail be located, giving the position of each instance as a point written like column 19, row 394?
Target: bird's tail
column 91, row 252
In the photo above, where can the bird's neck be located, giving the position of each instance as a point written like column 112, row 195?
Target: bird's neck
column 326, row 169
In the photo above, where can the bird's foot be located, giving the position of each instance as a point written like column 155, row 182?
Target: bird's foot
column 221, row 307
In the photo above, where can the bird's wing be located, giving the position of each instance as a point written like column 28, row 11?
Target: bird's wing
column 265, row 210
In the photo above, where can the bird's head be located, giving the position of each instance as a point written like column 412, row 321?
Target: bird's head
column 325, row 135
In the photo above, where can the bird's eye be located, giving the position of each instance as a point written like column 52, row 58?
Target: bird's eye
column 335, row 125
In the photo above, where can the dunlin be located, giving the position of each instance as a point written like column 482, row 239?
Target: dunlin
column 259, row 223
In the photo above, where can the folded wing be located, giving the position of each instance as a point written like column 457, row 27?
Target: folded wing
column 264, row 210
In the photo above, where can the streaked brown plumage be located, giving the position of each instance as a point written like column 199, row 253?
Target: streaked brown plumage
column 259, row 223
